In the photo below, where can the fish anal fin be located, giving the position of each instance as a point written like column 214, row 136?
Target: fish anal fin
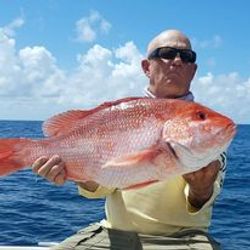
column 140, row 185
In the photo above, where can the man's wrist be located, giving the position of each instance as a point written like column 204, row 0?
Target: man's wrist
column 197, row 198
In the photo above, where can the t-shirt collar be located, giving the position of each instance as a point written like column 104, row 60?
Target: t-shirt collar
column 188, row 97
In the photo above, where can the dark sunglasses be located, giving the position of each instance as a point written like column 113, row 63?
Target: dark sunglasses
column 186, row 55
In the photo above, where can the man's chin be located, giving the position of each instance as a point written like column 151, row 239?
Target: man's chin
column 174, row 80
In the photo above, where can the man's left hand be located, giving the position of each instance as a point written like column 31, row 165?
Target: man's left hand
column 201, row 184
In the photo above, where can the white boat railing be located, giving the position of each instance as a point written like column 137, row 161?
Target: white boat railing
column 23, row 248
column 40, row 246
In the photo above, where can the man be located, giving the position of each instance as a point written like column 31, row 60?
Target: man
column 174, row 214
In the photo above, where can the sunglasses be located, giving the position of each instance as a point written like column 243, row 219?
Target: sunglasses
column 186, row 55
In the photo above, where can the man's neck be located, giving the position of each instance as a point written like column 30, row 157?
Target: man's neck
column 187, row 97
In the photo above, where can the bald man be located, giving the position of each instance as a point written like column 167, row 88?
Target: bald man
column 174, row 214
column 169, row 78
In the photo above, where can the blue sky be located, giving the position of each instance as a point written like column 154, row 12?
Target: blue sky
column 59, row 55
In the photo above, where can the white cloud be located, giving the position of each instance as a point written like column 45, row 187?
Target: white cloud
column 85, row 32
column 32, row 77
column 30, row 72
column 105, row 74
column 41, row 75
column 215, row 42
column 9, row 29
column 33, row 86
column 229, row 94
column 88, row 28
column 105, row 26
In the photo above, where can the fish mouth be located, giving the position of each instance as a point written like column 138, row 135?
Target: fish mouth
column 229, row 131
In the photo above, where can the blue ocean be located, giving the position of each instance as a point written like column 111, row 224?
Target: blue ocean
column 32, row 210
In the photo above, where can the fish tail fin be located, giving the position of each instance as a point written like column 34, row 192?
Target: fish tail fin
column 12, row 155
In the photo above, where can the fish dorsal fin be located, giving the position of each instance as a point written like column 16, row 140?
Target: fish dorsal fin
column 67, row 121
column 63, row 123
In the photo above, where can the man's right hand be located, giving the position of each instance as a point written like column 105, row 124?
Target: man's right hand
column 52, row 169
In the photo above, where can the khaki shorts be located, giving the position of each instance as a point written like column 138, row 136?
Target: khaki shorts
column 96, row 237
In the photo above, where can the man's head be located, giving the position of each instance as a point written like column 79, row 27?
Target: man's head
column 170, row 77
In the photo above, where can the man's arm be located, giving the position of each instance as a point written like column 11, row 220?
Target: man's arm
column 201, row 184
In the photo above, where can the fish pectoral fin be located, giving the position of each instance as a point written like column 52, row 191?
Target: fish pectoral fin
column 134, row 160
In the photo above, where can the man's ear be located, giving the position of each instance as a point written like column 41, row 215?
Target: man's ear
column 195, row 66
column 145, row 67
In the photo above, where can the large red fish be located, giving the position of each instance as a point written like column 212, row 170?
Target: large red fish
column 126, row 143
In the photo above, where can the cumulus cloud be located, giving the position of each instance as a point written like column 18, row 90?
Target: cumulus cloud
column 105, row 74
column 88, row 28
column 28, row 72
column 32, row 77
column 228, row 93
column 10, row 29
column 33, row 86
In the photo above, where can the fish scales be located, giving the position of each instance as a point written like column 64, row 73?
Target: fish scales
column 126, row 143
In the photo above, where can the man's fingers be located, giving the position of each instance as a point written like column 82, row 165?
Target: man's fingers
column 39, row 163
column 55, row 171
column 60, row 178
column 44, row 170
column 52, row 169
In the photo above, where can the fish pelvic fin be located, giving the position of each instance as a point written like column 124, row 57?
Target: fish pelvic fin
column 12, row 155
column 65, row 122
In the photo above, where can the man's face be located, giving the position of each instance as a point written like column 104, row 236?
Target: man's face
column 169, row 77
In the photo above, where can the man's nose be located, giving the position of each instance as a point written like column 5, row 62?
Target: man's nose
column 177, row 60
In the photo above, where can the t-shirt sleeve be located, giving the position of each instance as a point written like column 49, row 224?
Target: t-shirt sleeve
column 216, row 190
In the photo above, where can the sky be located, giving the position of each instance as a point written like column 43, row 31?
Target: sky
column 58, row 55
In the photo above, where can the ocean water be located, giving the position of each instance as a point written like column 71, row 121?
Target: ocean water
column 32, row 210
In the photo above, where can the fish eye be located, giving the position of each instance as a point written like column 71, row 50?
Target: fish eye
column 201, row 115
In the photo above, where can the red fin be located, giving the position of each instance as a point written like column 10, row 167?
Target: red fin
column 67, row 121
column 63, row 123
column 10, row 160
column 140, row 185
column 134, row 160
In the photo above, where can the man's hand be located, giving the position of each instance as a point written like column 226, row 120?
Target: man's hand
column 52, row 169
column 201, row 184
